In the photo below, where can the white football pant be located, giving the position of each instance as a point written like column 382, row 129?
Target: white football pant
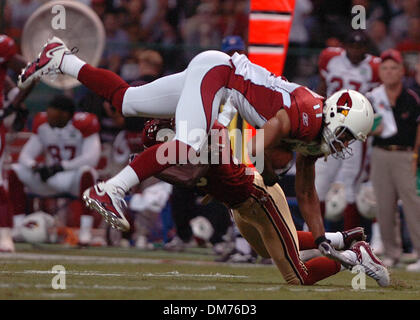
column 181, row 95
column 62, row 182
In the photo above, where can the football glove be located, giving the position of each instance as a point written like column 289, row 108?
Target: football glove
column 324, row 246
column 46, row 172
column 269, row 178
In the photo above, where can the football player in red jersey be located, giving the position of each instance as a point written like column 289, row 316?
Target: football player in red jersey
column 10, row 102
column 285, row 113
column 261, row 212
column 71, row 145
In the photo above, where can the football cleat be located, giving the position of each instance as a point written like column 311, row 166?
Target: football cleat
column 178, row 245
column 372, row 265
column 108, row 200
column 47, row 63
column 414, row 267
column 353, row 235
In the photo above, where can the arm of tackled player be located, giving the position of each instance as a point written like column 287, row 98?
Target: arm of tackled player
column 306, row 195
column 266, row 139
column 271, row 134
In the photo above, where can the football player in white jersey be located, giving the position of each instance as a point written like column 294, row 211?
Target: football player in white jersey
column 287, row 115
column 353, row 68
column 70, row 144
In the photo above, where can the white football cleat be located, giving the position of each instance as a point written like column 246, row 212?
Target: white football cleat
column 47, row 63
column 414, row 267
column 108, row 200
column 371, row 263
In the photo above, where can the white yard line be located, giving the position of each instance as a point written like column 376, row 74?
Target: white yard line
column 264, row 289
column 76, row 286
column 177, row 274
column 185, row 288
column 113, row 260
column 134, row 274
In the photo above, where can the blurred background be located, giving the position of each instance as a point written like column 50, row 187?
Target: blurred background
column 179, row 29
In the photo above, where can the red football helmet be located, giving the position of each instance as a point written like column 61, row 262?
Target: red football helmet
column 150, row 134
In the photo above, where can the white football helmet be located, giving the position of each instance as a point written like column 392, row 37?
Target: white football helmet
column 35, row 227
column 335, row 202
column 346, row 111
column 366, row 201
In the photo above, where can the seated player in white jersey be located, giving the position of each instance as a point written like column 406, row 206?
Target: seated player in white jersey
column 351, row 67
column 289, row 115
column 11, row 99
column 70, row 143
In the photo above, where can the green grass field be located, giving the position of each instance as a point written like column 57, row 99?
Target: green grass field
column 115, row 273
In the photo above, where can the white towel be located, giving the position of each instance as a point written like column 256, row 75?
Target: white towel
column 380, row 103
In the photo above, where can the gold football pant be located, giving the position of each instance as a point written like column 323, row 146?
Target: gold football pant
column 265, row 221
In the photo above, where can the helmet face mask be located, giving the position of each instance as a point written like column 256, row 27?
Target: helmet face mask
column 339, row 142
column 348, row 116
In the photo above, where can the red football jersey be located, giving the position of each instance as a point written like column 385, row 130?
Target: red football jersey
column 227, row 181
column 8, row 49
column 223, row 178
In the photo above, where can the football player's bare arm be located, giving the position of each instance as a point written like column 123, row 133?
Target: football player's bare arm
column 30, row 151
column 17, row 63
column 271, row 134
column 269, row 175
column 8, row 85
column 306, row 195
column 10, row 93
